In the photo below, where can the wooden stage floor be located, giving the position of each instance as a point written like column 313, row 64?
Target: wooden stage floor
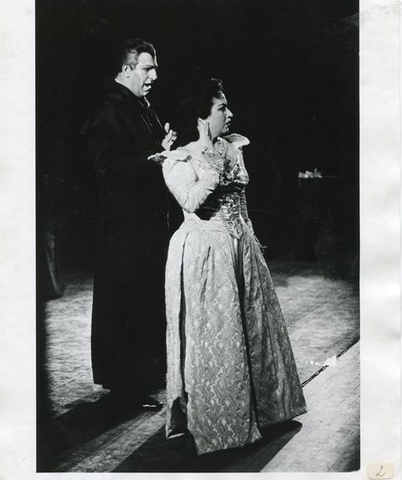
column 81, row 429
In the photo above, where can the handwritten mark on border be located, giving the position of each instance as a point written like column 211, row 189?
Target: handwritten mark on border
column 383, row 471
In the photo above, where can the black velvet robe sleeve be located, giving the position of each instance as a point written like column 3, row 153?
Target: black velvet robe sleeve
column 121, row 137
column 111, row 161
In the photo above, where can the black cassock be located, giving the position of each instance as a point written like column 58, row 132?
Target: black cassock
column 128, row 320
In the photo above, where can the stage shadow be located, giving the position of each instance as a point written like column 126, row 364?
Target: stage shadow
column 179, row 455
column 82, row 423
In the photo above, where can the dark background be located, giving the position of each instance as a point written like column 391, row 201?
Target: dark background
column 290, row 69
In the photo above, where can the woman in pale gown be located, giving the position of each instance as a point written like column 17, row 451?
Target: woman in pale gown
column 231, row 369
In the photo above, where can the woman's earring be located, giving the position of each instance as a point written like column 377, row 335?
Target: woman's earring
column 207, row 130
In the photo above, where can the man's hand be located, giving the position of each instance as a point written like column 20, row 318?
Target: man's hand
column 170, row 137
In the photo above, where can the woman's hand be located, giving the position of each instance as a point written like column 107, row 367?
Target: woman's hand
column 170, row 137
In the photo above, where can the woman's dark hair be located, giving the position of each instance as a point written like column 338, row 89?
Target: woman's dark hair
column 194, row 104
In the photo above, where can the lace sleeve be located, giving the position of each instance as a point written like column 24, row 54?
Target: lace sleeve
column 189, row 189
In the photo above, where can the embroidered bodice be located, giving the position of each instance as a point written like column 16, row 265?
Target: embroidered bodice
column 211, row 190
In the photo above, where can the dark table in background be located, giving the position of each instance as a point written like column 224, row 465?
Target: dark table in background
column 317, row 211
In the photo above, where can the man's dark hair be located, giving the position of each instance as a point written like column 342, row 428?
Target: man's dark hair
column 129, row 50
column 194, row 104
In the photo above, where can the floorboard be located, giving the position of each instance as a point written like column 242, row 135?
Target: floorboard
column 84, row 430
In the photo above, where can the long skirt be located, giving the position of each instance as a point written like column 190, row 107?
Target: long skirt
column 231, row 369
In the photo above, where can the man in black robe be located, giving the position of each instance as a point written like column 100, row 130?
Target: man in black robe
column 128, row 319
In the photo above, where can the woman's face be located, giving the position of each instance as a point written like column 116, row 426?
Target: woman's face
column 220, row 117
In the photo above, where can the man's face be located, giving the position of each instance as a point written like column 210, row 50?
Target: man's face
column 141, row 78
